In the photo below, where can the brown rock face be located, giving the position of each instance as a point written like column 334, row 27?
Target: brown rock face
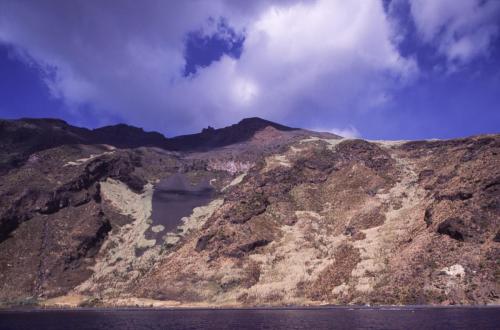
column 299, row 218
column 348, row 222
column 346, row 259
column 53, row 220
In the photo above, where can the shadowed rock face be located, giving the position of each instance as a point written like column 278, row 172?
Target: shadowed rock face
column 295, row 217
column 21, row 138
column 175, row 197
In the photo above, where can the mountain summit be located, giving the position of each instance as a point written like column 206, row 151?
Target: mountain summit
column 212, row 138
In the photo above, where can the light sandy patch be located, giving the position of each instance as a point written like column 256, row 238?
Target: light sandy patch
column 70, row 301
column 305, row 214
column 295, row 150
column 230, row 166
column 195, row 221
column 82, row 161
column 399, row 225
column 119, row 264
column 157, row 229
column 109, row 147
column 152, row 303
column 140, row 302
column 235, row 181
column 199, row 216
column 310, row 139
column 172, row 238
column 340, row 290
column 302, row 251
column 454, row 270
column 298, row 256
column 275, row 161
column 455, row 277
column 388, row 143
column 332, row 143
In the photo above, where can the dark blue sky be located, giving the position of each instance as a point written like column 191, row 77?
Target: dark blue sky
column 217, row 71
column 201, row 50
column 23, row 93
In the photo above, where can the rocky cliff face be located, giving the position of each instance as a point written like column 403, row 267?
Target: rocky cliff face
column 299, row 218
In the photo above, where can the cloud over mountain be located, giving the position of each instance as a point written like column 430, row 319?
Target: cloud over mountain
column 294, row 60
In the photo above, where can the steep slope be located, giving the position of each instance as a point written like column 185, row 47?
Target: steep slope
column 52, row 217
column 296, row 217
column 348, row 221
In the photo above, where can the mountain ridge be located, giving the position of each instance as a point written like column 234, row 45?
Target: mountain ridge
column 27, row 135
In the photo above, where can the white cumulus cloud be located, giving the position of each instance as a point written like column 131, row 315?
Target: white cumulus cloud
column 301, row 60
column 349, row 132
column 462, row 30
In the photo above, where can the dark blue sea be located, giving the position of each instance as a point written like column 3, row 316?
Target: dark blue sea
column 307, row 318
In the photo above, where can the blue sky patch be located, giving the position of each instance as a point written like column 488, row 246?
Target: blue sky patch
column 202, row 49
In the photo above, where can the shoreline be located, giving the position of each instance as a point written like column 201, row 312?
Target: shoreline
column 270, row 308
